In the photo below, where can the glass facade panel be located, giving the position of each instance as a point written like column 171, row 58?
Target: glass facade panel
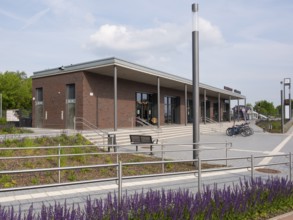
column 215, row 111
column 39, row 112
column 70, row 106
column 145, row 107
column 39, row 108
column 39, row 94
column 171, row 109
column 70, row 114
column 71, row 91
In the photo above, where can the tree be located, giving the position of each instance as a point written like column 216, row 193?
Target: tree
column 249, row 105
column 16, row 90
column 266, row 108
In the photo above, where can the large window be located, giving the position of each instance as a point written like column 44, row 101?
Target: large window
column 71, row 92
column 146, row 107
column 171, row 109
column 39, row 96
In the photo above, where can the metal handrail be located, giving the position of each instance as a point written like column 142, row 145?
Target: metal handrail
column 119, row 165
column 146, row 124
column 88, row 124
column 143, row 122
column 211, row 120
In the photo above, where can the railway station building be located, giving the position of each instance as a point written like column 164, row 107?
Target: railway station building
column 113, row 93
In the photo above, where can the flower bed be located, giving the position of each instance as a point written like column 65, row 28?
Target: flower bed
column 250, row 199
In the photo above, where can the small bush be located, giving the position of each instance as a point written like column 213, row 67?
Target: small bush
column 11, row 129
column 6, row 181
column 35, row 181
column 27, row 142
column 71, row 176
column 273, row 126
column 3, row 121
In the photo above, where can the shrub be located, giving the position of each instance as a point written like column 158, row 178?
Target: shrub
column 11, row 129
column 6, row 181
column 2, row 121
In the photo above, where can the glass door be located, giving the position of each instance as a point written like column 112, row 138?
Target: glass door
column 171, row 109
column 144, row 106
column 39, row 108
column 70, row 106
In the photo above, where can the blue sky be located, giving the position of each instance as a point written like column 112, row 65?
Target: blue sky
column 244, row 44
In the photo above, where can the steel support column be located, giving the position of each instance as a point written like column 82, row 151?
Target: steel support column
column 185, row 94
column 159, row 102
column 205, row 106
column 282, row 111
column 238, row 109
column 195, row 82
column 230, row 109
column 290, row 102
column 219, row 107
column 115, row 98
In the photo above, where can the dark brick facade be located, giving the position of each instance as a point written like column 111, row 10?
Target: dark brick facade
column 95, row 99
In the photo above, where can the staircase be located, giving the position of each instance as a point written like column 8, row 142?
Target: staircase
column 164, row 133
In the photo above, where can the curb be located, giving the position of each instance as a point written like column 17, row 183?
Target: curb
column 287, row 216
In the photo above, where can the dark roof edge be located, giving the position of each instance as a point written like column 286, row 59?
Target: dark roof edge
column 223, row 91
column 74, row 67
column 107, row 62
column 119, row 62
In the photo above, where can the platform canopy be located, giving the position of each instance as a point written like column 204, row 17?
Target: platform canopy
column 134, row 72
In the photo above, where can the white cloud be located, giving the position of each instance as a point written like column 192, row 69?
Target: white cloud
column 120, row 38
column 210, row 34
column 163, row 39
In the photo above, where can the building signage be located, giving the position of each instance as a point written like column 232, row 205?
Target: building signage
column 12, row 115
column 228, row 88
column 237, row 91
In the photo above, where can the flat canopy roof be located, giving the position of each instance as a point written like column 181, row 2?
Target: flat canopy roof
column 134, row 72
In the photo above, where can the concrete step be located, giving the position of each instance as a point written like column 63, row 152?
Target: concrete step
column 164, row 133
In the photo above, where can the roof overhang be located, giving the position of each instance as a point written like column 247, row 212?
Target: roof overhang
column 138, row 73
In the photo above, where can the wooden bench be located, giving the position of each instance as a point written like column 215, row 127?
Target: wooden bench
column 143, row 139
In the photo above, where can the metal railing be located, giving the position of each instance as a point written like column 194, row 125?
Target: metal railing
column 86, row 123
column 146, row 124
column 211, row 120
column 286, row 159
column 143, row 122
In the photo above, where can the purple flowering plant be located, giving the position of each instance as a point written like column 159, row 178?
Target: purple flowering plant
column 249, row 199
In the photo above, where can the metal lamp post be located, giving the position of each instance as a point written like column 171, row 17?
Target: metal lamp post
column 282, row 108
column 195, row 80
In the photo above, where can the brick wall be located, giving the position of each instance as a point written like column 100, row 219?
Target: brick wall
column 54, row 96
column 95, row 99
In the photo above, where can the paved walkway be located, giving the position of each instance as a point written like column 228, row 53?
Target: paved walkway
column 287, row 216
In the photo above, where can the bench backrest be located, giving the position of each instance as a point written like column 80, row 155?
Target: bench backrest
column 141, row 139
